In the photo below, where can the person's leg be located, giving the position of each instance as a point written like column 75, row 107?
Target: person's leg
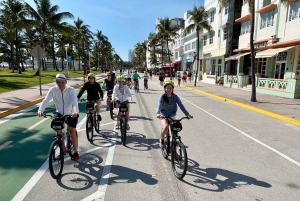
column 72, row 122
column 164, row 130
column 97, row 107
column 127, row 117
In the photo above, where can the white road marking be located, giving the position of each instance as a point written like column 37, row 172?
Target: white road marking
column 103, row 181
column 35, row 125
column 245, row 134
column 100, row 126
column 5, row 144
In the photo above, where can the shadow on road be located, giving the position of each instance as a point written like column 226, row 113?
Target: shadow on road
column 139, row 142
column 218, row 180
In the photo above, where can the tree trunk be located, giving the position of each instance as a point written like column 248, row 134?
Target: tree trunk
column 197, row 56
column 53, row 54
column 253, row 94
column 12, row 57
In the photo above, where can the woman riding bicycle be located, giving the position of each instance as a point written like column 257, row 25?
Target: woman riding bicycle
column 167, row 106
column 121, row 93
column 109, row 84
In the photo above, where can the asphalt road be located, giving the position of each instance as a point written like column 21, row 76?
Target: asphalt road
column 234, row 154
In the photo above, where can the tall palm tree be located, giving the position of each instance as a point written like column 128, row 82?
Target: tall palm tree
column 46, row 17
column 197, row 21
column 100, row 39
column 169, row 33
column 153, row 43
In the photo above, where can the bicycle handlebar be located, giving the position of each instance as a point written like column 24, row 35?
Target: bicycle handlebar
column 48, row 115
column 84, row 100
column 168, row 117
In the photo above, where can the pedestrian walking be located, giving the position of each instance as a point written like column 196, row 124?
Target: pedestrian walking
column 178, row 77
column 150, row 74
column 184, row 76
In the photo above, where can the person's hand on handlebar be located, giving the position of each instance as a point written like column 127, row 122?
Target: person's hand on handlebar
column 190, row 116
column 73, row 115
column 159, row 116
column 39, row 114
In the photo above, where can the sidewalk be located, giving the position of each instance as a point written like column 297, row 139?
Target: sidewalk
column 13, row 101
column 282, row 106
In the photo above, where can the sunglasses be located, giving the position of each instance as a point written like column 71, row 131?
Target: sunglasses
column 108, row 75
column 91, row 78
column 62, row 82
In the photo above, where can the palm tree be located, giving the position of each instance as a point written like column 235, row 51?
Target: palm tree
column 168, row 32
column 197, row 21
column 100, row 39
column 46, row 17
column 152, row 44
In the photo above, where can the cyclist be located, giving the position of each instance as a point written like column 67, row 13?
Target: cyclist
column 93, row 90
column 161, row 78
column 109, row 86
column 121, row 94
column 64, row 98
column 178, row 78
column 136, row 78
column 113, row 75
column 146, row 78
column 167, row 106
column 128, row 78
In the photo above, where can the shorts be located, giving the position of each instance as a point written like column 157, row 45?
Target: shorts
column 129, row 79
column 136, row 80
column 161, row 79
column 72, row 122
column 118, row 103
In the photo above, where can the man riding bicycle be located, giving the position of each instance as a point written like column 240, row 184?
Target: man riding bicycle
column 64, row 98
column 109, row 86
column 146, row 78
column 136, row 78
column 93, row 90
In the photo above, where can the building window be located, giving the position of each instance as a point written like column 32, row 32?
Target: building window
column 245, row 28
column 176, row 55
column 211, row 38
column 298, row 65
column 219, row 33
column 189, row 46
column 213, row 67
column 226, row 8
column 193, row 45
column 294, row 10
column 212, row 16
column 224, row 33
column 260, row 66
column 281, row 56
column 267, row 19
column 204, row 40
column 185, row 48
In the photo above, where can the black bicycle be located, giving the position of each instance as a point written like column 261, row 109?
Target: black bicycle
column 91, row 119
column 136, row 85
column 145, row 84
column 110, row 103
column 123, row 109
column 59, row 146
column 175, row 147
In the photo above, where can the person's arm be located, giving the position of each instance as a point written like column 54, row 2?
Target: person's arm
column 81, row 91
column 100, row 91
column 181, row 106
column 46, row 100
column 74, row 101
column 104, row 83
column 128, row 92
column 159, row 106
column 114, row 94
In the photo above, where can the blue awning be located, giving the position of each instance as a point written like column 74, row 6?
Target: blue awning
column 187, row 60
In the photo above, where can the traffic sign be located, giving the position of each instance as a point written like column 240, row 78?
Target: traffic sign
column 38, row 52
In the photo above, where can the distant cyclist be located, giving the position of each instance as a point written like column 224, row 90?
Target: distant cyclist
column 167, row 106
column 136, row 78
column 121, row 94
column 109, row 86
column 64, row 98
column 93, row 89
column 146, row 78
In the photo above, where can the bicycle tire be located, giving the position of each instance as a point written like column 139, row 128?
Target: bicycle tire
column 89, row 130
column 56, row 159
column 123, row 130
column 164, row 150
column 70, row 145
column 96, row 125
column 111, row 110
column 179, row 155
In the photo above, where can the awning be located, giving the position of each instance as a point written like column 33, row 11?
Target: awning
column 271, row 52
column 175, row 63
column 236, row 56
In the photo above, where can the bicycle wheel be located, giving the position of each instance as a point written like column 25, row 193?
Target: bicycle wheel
column 123, row 130
column 111, row 110
column 179, row 160
column 96, row 125
column 165, row 151
column 89, row 129
column 70, row 145
column 56, row 159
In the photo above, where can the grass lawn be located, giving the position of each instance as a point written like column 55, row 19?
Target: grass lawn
column 12, row 81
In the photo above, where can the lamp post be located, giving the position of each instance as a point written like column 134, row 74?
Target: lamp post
column 66, row 48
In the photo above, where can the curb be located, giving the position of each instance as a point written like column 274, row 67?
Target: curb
column 246, row 106
column 21, row 107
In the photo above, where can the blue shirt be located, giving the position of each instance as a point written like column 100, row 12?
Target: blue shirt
column 170, row 109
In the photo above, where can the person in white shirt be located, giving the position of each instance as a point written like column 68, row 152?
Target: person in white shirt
column 121, row 94
column 65, row 100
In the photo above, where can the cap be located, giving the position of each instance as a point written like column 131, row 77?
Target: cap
column 60, row 76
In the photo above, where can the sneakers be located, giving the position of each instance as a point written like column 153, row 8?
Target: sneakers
column 117, row 126
column 127, row 127
column 75, row 157
column 99, row 117
column 107, row 109
column 161, row 143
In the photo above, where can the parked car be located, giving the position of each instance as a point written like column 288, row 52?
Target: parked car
column 4, row 64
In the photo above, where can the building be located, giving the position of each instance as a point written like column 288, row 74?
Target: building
column 131, row 55
column 277, row 49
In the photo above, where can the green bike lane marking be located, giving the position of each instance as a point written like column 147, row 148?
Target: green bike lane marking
column 26, row 152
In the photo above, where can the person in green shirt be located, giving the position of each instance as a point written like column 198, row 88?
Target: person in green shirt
column 136, row 78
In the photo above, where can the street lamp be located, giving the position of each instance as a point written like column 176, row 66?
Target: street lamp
column 66, row 48
column 196, row 57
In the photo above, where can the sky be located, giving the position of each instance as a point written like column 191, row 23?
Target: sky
column 124, row 22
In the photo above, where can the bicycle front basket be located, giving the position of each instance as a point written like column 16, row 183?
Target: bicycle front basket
column 57, row 124
column 176, row 127
column 123, row 108
column 89, row 106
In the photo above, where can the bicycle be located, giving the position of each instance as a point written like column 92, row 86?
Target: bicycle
column 91, row 118
column 145, row 84
column 110, row 103
column 59, row 147
column 175, row 147
column 123, row 109
column 129, row 83
column 136, row 86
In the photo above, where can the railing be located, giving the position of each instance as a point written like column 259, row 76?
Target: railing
column 269, row 83
column 232, row 79
column 211, row 79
